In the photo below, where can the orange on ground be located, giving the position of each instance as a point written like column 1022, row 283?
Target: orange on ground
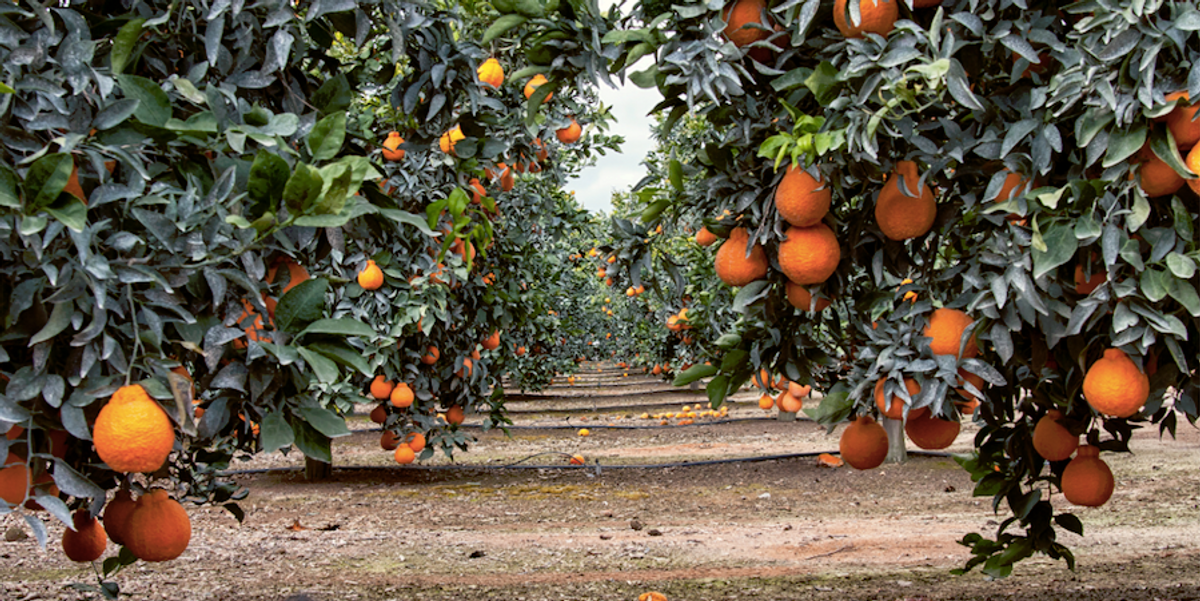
column 733, row 266
column 1051, row 439
column 391, row 147
column 85, row 540
column 404, row 455
column 894, row 409
column 132, row 432
column 827, row 460
column 402, row 396
column 899, row 215
column 1087, row 480
column 536, row 82
column 381, row 389
column 371, row 276
column 802, row 199
column 584, row 432
column 877, row 16
column 431, row 355
column 570, row 134
column 158, row 528
column 491, row 73
column 799, row 297
column 652, row 596
column 1157, row 178
column 415, row 441
column 1114, row 385
column 809, row 255
column 864, row 443
column 116, row 515
column 946, row 327
column 930, row 432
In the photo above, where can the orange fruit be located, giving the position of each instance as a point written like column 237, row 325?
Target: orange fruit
column 85, row 540
column 391, row 147
column 371, row 276
column 977, row 381
column 492, row 342
column 1051, row 439
column 878, row 16
column 657, row 370
column 740, row 13
column 930, row 432
column 798, row 391
column 894, row 409
column 379, row 414
column 534, row 83
column 1192, row 161
column 765, row 402
column 404, row 455
column 402, row 396
column 946, row 327
column 1157, row 178
column 450, row 138
column 801, row 298
column 477, row 190
column 389, row 440
column 788, row 403
column 802, row 199
column 1085, row 285
column 1115, row 386
column 1182, row 125
column 809, row 255
column 864, row 443
column 491, row 73
column 116, row 515
column 381, row 389
column 520, row 351
column 569, row 134
column 454, row 415
column 415, row 441
column 73, row 188
column 584, row 432
column 652, row 596
column 431, row 355
column 132, row 432
column 14, row 480
column 158, row 528
column 733, row 266
column 904, row 216
column 1013, row 182
column 1087, row 480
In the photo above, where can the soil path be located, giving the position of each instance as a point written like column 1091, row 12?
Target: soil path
column 781, row 529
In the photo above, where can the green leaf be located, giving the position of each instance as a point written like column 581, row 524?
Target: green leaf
column 46, row 179
column 154, row 106
column 1154, row 284
column 791, row 79
column 655, row 209
column 675, row 174
column 692, row 374
column 1181, row 265
column 645, row 79
column 302, row 189
column 333, row 95
column 1184, row 291
column 823, row 82
column 750, row 293
column 1140, row 213
column 10, row 195
column 311, row 442
column 343, row 326
column 302, row 305
column 333, row 200
column 344, row 354
column 734, row 360
column 502, row 26
column 407, row 218
column 325, row 421
column 717, row 389
column 60, row 318
column 115, row 113
column 323, row 367
column 268, row 175
column 1060, row 247
column 1123, row 143
column 835, row 408
column 69, row 211
column 276, row 433
column 1069, row 522
column 326, row 137
column 123, row 43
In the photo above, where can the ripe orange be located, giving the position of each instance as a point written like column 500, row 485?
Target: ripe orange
column 158, row 528
column 450, row 138
column 132, row 432
column 507, row 179
column 454, row 415
column 389, row 440
column 1182, row 125
column 584, row 432
column 1192, row 161
column 1085, row 285
column 402, row 396
column 788, row 403
column 894, row 409
column 381, row 389
column 404, row 455
column 802, row 199
column 930, row 432
column 904, row 216
column 733, row 266
column 415, row 441
column 1051, row 440
column 431, row 355
column 878, row 16
column 740, row 13
column 864, row 443
column 492, row 342
column 1115, row 386
column 946, row 327
column 371, row 276
column 801, row 298
column 85, row 540
column 569, row 134
column 116, row 515
column 14, row 480
column 478, row 192
column 1157, row 178
column 536, row 82
column 809, row 255
column 1087, row 480
column 491, row 73
column 73, row 188
column 652, row 596
column 765, row 402
column 521, row 350
column 1013, row 183
column 391, row 147
column 798, row 391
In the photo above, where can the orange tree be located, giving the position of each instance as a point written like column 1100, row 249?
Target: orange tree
column 991, row 194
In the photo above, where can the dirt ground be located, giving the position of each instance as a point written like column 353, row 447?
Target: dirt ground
column 706, row 528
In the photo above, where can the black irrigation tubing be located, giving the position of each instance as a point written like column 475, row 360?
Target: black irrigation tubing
column 522, row 396
column 598, row 408
column 597, row 466
column 616, row 427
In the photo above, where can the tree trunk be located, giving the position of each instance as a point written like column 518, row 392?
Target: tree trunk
column 316, row 470
column 897, row 453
